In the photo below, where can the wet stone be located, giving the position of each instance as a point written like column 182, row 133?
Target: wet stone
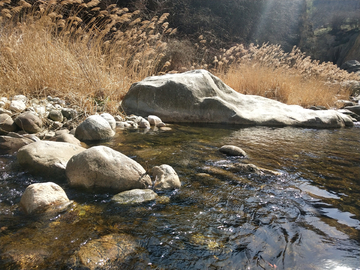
column 102, row 253
column 232, row 150
column 134, row 196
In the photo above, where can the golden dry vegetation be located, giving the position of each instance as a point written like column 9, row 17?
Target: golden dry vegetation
column 80, row 52
column 292, row 78
column 89, row 55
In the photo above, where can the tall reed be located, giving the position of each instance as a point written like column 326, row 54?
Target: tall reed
column 78, row 51
column 292, row 78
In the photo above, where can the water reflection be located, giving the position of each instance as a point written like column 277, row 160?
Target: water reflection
column 306, row 218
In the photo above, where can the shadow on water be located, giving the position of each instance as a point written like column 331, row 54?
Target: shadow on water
column 306, row 218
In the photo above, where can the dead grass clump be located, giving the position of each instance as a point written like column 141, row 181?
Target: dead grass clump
column 292, row 78
column 77, row 51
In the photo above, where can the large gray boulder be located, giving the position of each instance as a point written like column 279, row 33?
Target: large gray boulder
column 29, row 122
column 200, row 97
column 47, row 158
column 104, row 168
column 94, row 128
column 38, row 197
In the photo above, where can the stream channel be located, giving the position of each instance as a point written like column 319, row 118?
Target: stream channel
column 306, row 218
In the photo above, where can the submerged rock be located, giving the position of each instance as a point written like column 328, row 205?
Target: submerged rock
column 249, row 168
column 37, row 197
column 103, row 167
column 232, row 150
column 134, row 196
column 47, row 158
column 104, row 252
column 200, row 97
column 165, row 177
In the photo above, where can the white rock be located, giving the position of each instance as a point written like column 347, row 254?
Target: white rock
column 154, row 120
column 165, row 177
column 20, row 98
column 17, row 106
column 38, row 197
column 108, row 117
column 143, row 123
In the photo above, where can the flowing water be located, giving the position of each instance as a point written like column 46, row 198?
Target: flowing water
column 306, row 218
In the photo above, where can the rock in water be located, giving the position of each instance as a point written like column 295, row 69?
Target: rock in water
column 108, row 252
column 105, row 168
column 134, row 196
column 37, row 197
column 165, row 177
column 47, row 158
column 200, row 97
column 232, row 150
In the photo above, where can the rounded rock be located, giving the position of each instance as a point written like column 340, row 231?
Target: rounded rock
column 134, row 196
column 29, row 122
column 104, row 168
column 56, row 115
column 37, row 197
column 17, row 106
column 108, row 117
column 232, row 150
column 6, row 124
column 94, row 128
column 47, row 158
column 154, row 120
column 165, row 177
column 143, row 123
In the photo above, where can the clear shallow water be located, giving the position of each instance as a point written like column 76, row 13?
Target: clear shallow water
column 307, row 218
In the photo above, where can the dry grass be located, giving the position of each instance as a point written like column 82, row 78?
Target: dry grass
column 90, row 56
column 291, row 78
column 87, row 55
